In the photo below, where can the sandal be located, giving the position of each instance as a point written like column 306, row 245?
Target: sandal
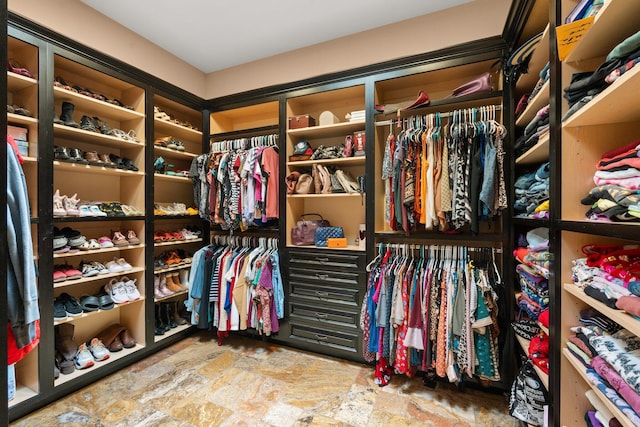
column 105, row 301
column 15, row 67
column 89, row 303
column 119, row 239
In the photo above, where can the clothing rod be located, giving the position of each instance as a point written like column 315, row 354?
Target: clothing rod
column 446, row 114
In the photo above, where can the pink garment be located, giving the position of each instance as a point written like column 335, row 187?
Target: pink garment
column 270, row 166
column 632, row 183
column 607, row 372
column 633, row 162
column 630, row 304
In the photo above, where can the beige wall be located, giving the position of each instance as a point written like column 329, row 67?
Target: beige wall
column 72, row 18
column 78, row 21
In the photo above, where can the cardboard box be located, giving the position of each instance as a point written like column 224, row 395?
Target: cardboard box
column 18, row 133
column 340, row 242
column 303, row 121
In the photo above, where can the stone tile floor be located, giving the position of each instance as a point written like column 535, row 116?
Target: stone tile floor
column 248, row 382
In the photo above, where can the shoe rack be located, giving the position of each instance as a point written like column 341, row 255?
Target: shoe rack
column 175, row 125
column 610, row 120
column 86, row 90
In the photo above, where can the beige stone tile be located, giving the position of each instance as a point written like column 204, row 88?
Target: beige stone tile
column 282, row 415
column 200, row 413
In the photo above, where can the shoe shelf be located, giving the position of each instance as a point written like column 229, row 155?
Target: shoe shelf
column 539, row 59
column 170, row 297
column 610, row 26
column 98, row 312
column 537, row 154
column 540, row 100
column 98, row 251
column 77, row 373
column 72, row 282
column 579, row 367
column 178, row 242
column 325, row 195
column 23, row 393
column 524, row 344
column 81, row 135
column 174, row 154
column 177, row 267
column 175, row 130
column 97, row 218
column 27, row 385
column 338, row 129
column 170, row 332
column 173, row 178
column 80, row 168
column 618, row 103
column 100, row 108
column 17, row 82
column 620, row 317
column 18, row 119
column 345, row 161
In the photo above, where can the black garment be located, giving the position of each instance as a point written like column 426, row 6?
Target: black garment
column 600, row 296
column 477, row 144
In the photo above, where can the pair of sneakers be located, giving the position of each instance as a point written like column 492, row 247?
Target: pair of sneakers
column 123, row 290
column 90, row 352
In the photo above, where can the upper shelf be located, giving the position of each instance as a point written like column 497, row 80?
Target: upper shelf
column 537, row 154
column 77, row 134
column 327, row 130
column 173, row 129
column 345, row 161
column 618, row 103
column 612, row 24
column 83, row 102
column 19, row 82
column 538, row 60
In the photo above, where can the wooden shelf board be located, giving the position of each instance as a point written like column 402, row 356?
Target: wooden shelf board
column 77, row 167
column 30, row 159
column 618, row 230
column 172, row 178
column 177, row 130
column 300, row 196
column 543, row 328
column 610, row 26
column 618, row 316
column 77, row 134
column 174, row 154
column 169, row 297
column 173, row 268
column 524, row 343
column 337, row 129
column 537, row 154
column 618, row 103
column 170, row 332
column 23, row 393
column 538, row 60
column 19, row 82
column 347, row 248
column 99, row 251
column 95, row 313
column 177, row 242
column 346, row 161
column 13, row 118
column 101, row 108
column 605, row 400
column 540, row 100
column 112, row 358
column 73, row 282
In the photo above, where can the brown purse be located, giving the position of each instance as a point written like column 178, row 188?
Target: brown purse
column 305, row 184
column 292, row 181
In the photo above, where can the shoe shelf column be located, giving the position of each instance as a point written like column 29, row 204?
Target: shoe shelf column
column 22, row 119
column 99, row 197
column 325, row 286
column 609, row 121
column 177, row 227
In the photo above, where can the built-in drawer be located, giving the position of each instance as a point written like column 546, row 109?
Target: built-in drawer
column 326, row 277
column 344, row 341
column 326, row 315
column 326, row 260
column 318, row 294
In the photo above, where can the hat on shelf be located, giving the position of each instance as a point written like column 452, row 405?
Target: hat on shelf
column 302, row 148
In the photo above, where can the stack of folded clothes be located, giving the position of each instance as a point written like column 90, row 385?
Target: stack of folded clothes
column 544, row 77
column 585, row 86
column 532, row 193
column 537, row 127
column 616, row 196
column 533, row 272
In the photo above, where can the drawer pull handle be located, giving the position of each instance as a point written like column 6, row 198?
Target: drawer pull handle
column 322, row 315
column 322, row 276
column 321, row 337
column 322, row 259
column 322, row 294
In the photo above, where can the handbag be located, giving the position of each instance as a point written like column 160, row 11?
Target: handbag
column 304, row 184
column 292, row 181
column 324, row 233
column 304, row 232
column 528, row 396
column 480, row 84
column 349, row 184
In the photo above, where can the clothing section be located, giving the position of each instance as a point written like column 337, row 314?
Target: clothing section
column 434, row 309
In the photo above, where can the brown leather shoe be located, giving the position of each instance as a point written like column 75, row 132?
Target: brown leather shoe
column 93, row 159
column 116, row 345
column 171, row 285
column 64, row 341
column 107, row 161
column 127, row 339
column 109, row 334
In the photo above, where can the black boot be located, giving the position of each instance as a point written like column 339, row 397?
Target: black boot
column 159, row 327
column 176, row 316
column 67, row 114
column 167, row 317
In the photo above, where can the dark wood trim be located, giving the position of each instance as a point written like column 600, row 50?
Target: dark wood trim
column 490, row 47
column 516, row 21
column 245, row 133
column 85, row 55
column 4, row 418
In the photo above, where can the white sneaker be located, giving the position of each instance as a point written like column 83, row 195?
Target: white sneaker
column 114, row 267
column 123, row 263
column 131, row 288
column 117, row 291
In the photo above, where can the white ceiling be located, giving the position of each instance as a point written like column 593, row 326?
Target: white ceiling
column 212, row 35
